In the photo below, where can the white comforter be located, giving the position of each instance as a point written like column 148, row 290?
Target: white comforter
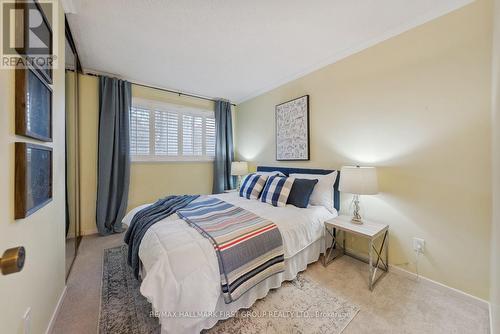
column 180, row 265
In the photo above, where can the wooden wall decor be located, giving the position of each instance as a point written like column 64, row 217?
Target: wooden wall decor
column 32, row 11
column 33, row 105
column 33, row 178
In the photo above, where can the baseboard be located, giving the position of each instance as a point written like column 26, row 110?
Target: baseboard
column 424, row 280
column 56, row 312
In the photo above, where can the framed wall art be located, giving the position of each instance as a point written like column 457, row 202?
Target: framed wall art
column 33, row 178
column 34, row 36
column 292, row 130
column 33, row 105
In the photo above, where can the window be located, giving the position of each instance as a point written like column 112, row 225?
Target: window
column 167, row 132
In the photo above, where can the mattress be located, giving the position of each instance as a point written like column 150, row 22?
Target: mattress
column 181, row 273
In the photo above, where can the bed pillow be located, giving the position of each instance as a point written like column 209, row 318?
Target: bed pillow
column 262, row 173
column 323, row 191
column 276, row 172
column 252, row 186
column 301, row 192
column 277, row 190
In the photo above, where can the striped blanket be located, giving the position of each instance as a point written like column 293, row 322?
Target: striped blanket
column 249, row 248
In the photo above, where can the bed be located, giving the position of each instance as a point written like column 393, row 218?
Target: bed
column 180, row 271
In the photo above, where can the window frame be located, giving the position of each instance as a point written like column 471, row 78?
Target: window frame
column 181, row 110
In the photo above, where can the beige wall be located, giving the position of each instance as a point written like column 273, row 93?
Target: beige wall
column 417, row 106
column 495, row 241
column 41, row 282
column 148, row 181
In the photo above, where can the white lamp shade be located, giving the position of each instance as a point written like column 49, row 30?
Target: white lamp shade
column 358, row 180
column 239, row 168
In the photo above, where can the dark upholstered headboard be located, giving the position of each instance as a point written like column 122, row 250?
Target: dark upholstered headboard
column 291, row 170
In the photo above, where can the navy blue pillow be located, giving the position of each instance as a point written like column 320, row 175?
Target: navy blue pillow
column 301, row 191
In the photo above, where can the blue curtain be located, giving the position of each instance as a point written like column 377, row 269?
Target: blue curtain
column 223, row 147
column 113, row 170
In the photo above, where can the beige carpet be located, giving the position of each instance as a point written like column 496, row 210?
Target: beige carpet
column 299, row 306
column 397, row 304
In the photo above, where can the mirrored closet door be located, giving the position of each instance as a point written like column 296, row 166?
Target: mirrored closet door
column 72, row 230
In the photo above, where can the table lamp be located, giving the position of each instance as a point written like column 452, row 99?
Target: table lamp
column 358, row 181
column 239, row 168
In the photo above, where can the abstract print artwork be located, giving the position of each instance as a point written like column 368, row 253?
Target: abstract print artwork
column 292, row 129
column 33, row 178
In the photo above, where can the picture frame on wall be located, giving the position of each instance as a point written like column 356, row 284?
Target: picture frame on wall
column 33, row 105
column 31, row 28
column 292, row 130
column 33, row 178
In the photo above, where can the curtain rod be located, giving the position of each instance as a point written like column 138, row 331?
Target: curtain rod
column 165, row 90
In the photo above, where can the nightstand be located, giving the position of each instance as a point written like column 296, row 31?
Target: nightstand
column 372, row 231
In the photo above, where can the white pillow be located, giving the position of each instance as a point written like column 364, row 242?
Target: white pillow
column 271, row 173
column 323, row 191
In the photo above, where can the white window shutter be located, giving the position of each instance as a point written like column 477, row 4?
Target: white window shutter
column 171, row 133
column 187, row 135
column 210, row 136
column 192, row 135
column 198, row 135
column 139, row 131
column 166, row 133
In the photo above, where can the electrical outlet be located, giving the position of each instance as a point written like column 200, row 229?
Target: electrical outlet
column 419, row 245
column 27, row 321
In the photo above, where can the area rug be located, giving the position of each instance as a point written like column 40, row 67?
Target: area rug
column 299, row 306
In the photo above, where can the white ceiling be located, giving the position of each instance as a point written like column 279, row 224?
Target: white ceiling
column 234, row 49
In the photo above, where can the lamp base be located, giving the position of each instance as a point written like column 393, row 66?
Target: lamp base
column 239, row 183
column 357, row 221
column 356, row 217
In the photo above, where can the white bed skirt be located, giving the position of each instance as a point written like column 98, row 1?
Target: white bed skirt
column 293, row 266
